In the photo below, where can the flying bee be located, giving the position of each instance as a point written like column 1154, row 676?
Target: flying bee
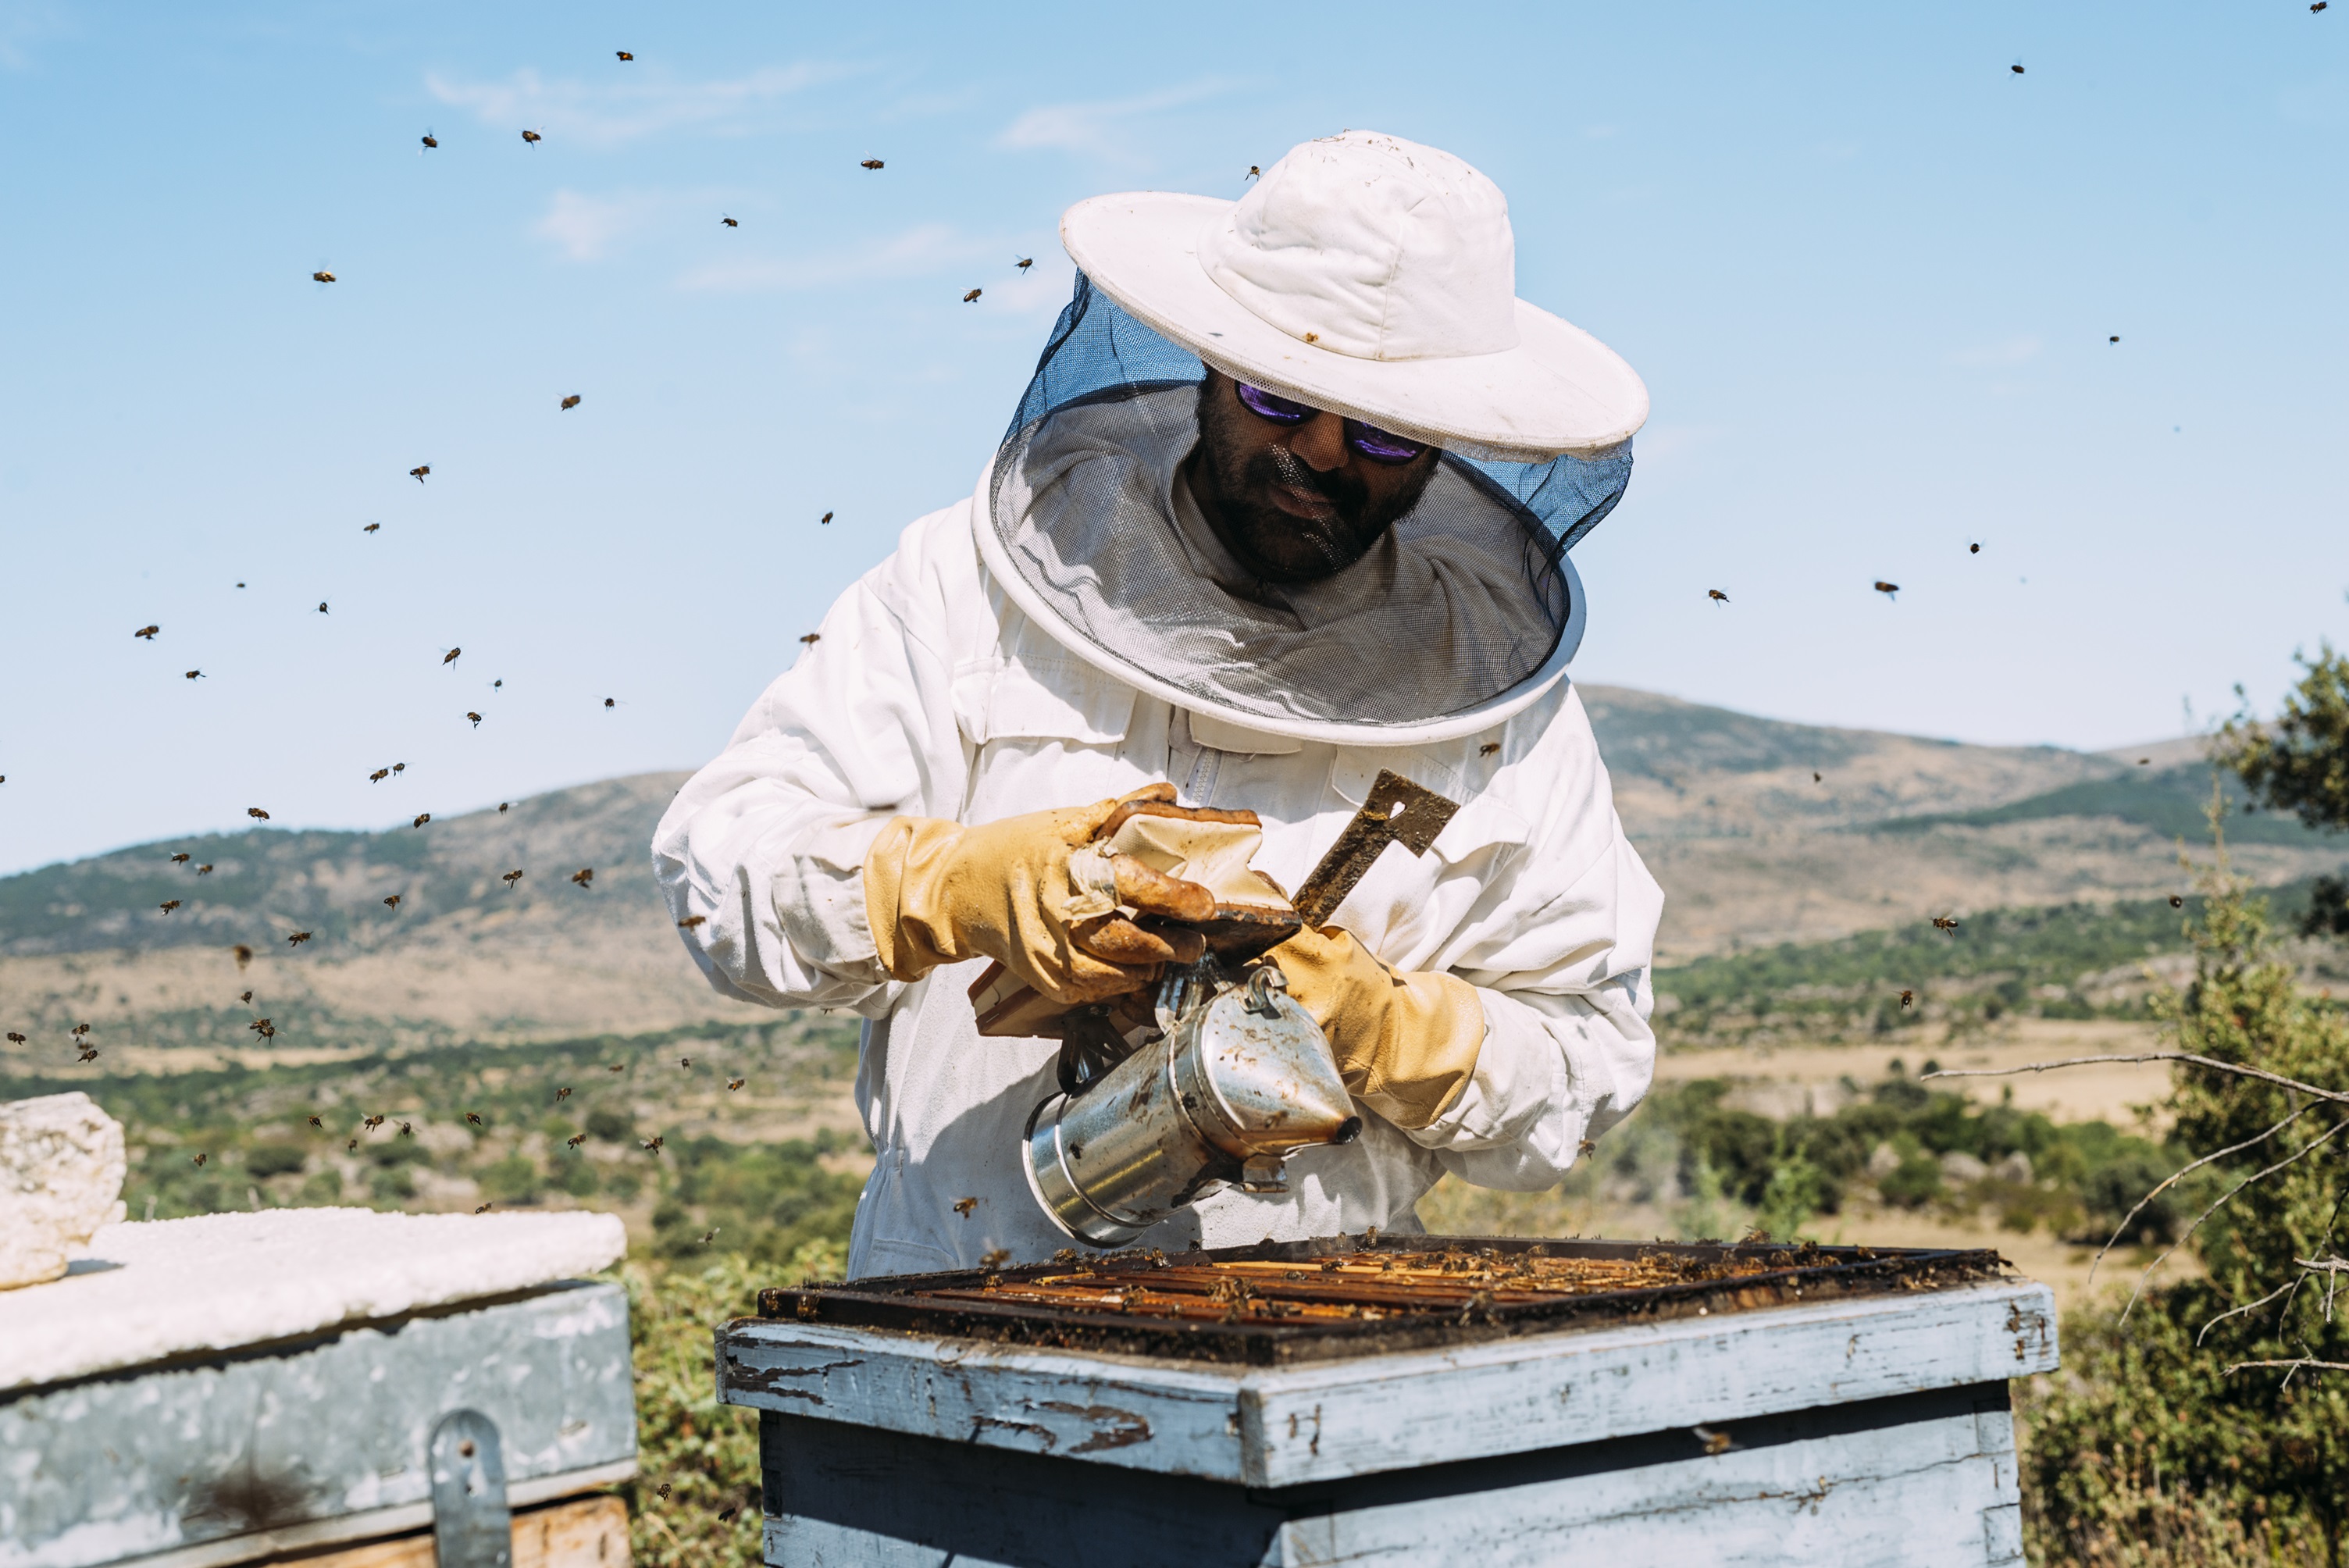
column 450, row 657
column 419, row 471
column 964, row 1206
column 726, row 1514
column 1716, row 595
column 684, row 1061
column 322, row 277
column 407, row 1130
column 561, row 1095
column 624, row 54
column 611, row 702
column 318, row 1124
column 263, row 1027
column 430, row 141
column 147, row 632
column 1024, row 262
column 1717, row 1442
column 826, row 518
column 352, row 1147
column 370, row 528
column 322, row 606
column 996, row 1258
column 1908, row 997
column 617, row 1067
column 88, row 1054
column 1253, row 173
column 2116, row 337
column 474, row 1117
column 78, row 1030
column 256, row 814
column 664, row 1490
column 972, row 297
column 379, row 775
column 482, row 1210
column 474, row 717
column 202, row 1158
column 399, row 767
column 710, row 1235
column 14, row 1038
column 169, row 905
column 870, row 163
column 2175, row 903
column 574, row 1141
column 571, row 401
column 244, row 955
column 205, row 870
column 510, row 879
column 728, row 222
column 1945, row 923
column 505, row 806
column 692, row 921
column 180, row 860
column 1974, row 548
column 392, row 902
column 533, row 138
column 421, row 818
column 812, row 638
column 1886, row 588
column 1489, row 748
column 195, row 674
column 655, row 1146
column 584, row 875
column 297, row 938
column 736, row 1083
column 2145, row 762
column 244, row 997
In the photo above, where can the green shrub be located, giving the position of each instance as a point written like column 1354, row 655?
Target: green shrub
column 610, row 1124
column 1915, row 1181
column 512, row 1180
column 263, row 1160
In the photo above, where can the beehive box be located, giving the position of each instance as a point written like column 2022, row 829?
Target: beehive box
column 242, row 1387
column 1406, row 1399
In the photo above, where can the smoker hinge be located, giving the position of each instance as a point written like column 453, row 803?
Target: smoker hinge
column 472, row 1526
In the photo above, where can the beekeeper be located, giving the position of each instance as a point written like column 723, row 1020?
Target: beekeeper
column 1288, row 502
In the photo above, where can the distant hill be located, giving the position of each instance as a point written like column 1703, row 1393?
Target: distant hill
column 1751, row 850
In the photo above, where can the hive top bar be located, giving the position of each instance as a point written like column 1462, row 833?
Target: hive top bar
column 223, row 1281
column 1299, row 1301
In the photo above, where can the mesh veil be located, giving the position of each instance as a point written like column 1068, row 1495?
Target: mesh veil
column 1464, row 598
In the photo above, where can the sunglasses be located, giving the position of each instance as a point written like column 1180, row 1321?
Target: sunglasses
column 1367, row 439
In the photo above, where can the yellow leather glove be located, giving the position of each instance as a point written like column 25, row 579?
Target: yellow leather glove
column 1406, row 1044
column 1032, row 892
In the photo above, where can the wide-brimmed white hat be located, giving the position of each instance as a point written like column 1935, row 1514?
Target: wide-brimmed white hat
column 1373, row 277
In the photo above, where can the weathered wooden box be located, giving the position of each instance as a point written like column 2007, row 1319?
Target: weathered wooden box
column 1714, row 1405
column 244, row 1386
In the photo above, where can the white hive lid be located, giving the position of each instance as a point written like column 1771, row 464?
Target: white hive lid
column 219, row 1282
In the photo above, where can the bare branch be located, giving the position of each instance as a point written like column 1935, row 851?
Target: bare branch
column 2121, row 1229
column 2324, row 1266
column 2248, row 1307
column 2295, row 1363
column 2308, row 1147
column 2237, row 1068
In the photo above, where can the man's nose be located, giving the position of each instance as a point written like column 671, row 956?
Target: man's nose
column 1321, row 441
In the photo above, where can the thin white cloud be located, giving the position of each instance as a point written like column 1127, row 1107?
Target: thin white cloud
column 1997, row 356
column 640, row 104
column 1094, row 129
column 924, row 249
column 589, row 227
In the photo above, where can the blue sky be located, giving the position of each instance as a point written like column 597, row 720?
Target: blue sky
column 1869, row 273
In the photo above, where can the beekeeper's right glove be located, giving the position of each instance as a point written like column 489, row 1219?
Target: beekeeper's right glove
column 1032, row 892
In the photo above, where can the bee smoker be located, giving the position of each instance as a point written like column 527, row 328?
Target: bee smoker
column 1236, row 1079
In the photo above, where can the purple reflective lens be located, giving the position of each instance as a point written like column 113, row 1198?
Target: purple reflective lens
column 1379, row 446
column 1367, row 439
column 1271, row 406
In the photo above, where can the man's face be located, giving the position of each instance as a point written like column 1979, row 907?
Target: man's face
column 1294, row 502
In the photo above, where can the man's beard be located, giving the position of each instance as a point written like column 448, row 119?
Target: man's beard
column 1233, row 473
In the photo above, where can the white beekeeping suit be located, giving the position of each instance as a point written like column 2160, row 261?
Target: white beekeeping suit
column 1079, row 628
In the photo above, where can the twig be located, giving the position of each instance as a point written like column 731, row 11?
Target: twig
column 2121, row 1229
column 2237, row 1068
column 2248, row 1307
column 2308, row 1147
column 2324, row 1266
column 2295, row 1363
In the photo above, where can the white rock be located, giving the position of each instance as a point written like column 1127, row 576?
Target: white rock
column 1882, row 1161
column 61, row 1171
column 1960, row 1169
column 2015, row 1167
